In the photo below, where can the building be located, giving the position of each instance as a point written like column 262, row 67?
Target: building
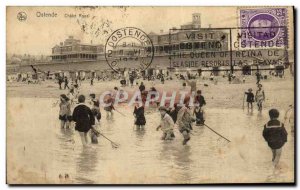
column 189, row 37
column 72, row 50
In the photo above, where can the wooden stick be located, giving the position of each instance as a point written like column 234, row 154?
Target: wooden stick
column 216, row 133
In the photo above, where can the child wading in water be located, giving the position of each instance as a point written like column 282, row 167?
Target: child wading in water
column 250, row 98
column 199, row 113
column 260, row 97
column 166, row 124
column 275, row 135
column 184, row 121
column 289, row 116
column 64, row 111
column 140, row 119
column 72, row 96
column 109, row 106
column 95, row 107
column 84, row 119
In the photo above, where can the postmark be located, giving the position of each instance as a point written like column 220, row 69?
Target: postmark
column 127, row 48
column 229, row 55
column 264, row 24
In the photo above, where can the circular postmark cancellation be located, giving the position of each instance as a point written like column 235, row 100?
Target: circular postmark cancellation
column 129, row 47
column 21, row 16
column 263, row 26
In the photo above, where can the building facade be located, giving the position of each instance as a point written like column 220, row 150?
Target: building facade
column 72, row 50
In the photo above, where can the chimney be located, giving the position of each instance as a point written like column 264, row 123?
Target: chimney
column 161, row 31
column 209, row 26
column 61, row 43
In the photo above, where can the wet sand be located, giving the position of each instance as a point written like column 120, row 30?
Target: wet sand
column 279, row 92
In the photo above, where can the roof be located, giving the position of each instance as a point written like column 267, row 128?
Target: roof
column 152, row 33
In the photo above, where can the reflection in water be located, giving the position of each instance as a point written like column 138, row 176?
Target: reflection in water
column 140, row 132
column 250, row 112
column 177, row 158
column 86, row 164
column 142, row 156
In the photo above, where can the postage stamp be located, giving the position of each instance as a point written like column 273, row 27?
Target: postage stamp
column 264, row 24
column 129, row 45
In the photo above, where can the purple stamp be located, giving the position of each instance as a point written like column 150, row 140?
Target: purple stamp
column 263, row 26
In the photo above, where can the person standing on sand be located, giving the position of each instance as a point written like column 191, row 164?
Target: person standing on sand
column 84, row 119
column 260, row 97
column 192, row 84
column 229, row 78
column 64, row 111
column 258, row 75
column 131, row 79
column 142, row 87
column 60, row 81
column 275, row 135
column 66, row 83
column 162, row 79
column 250, row 98
column 92, row 81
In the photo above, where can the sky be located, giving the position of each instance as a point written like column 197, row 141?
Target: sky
column 37, row 35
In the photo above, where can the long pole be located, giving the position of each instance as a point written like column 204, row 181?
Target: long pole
column 244, row 102
column 216, row 132
column 230, row 39
column 119, row 112
column 106, row 137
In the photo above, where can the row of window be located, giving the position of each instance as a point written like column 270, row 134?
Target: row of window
column 74, row 56
column 74, row 48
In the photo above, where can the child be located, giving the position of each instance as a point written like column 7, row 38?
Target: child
column 109, row 106
column 250, row 98
column 244, row 79
column 92, row 81
column 140, row 119
column 260, row 97
column 275, row 135
column 162, row 79
column 84, row 119
column 64, row 111
column 199, row 113
column 199, row 99
column 289, row 116
column 71, row 96
column 115, row 92
column 184, row 122
column 95, row 107
column 173, row 111
column 166, row 124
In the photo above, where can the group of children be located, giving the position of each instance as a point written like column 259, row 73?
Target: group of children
column 259, row 98
column 181, row 116
column 274, row 131
column 84, row 116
